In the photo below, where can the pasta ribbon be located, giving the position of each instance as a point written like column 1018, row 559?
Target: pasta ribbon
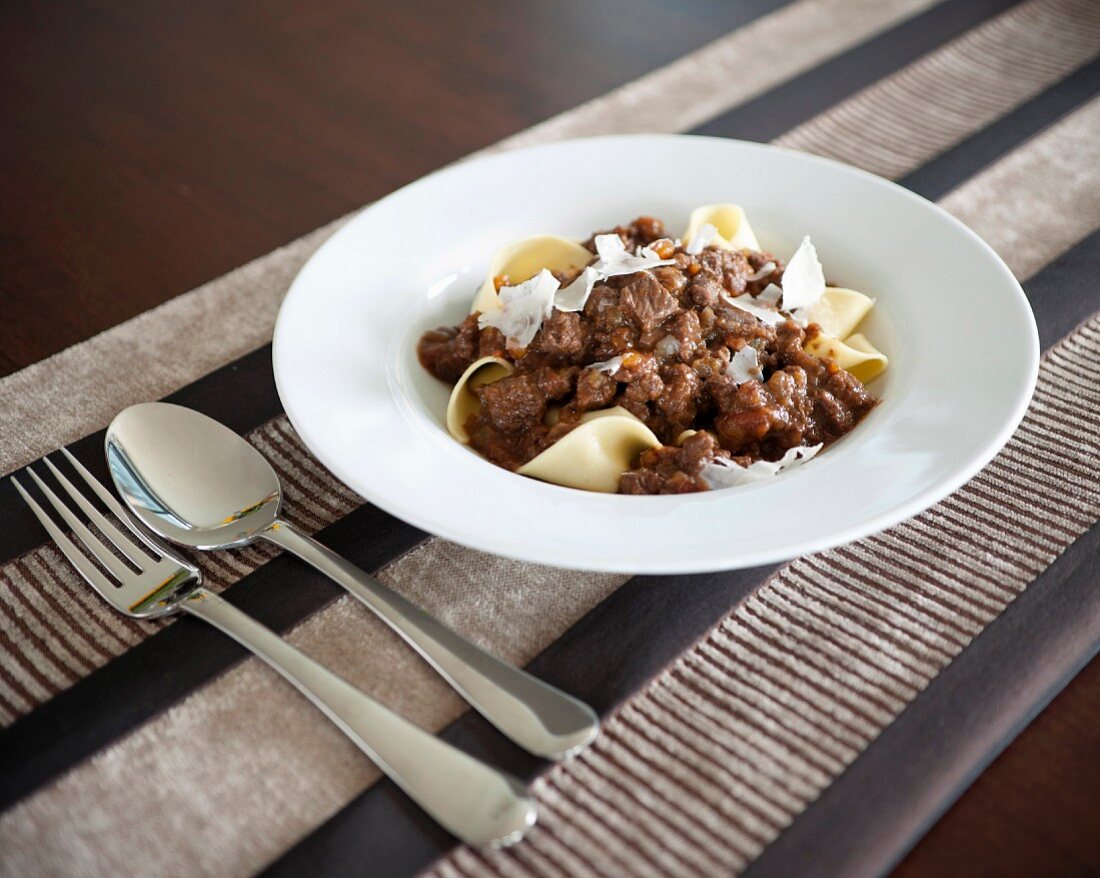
column 593, row 455
column 523, row 259
column 734, row 231
column 464, row 401
column 839, row 311
column 855, row 355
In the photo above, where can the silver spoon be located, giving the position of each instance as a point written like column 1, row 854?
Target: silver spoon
column 197, row 483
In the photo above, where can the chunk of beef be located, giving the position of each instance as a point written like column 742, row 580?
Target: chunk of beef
column 513, row 404
column 646, row 303
column 563, row 335
column 754, row 414
column 449, row 351
column 705, row 290
column 677, row 401
column 556, row 383
column 732, row 326
column 698, row 450
column 595, row 390
column 712, row 362
column 491, row 343
column 686, row 329
column 671, row 470
column 509, row 450
column 789, row 338
column 840, row 402
column 727, row 267
column 601, row 300
column 672, row 279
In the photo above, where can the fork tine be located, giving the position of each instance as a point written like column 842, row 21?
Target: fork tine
column 111, row 503
column 91, row 542
column 122, row 542
column 84, row 567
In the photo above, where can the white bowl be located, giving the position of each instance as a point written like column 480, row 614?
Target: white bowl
column 957, row 327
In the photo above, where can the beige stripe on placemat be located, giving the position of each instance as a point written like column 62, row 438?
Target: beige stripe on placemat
column 308, row 771
column 878, row 113
column 728, row 745
column 84, row 386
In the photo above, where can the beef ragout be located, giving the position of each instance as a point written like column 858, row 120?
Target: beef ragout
column 658, row 343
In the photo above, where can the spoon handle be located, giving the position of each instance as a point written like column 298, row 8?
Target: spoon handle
column 475, row 802
column 535, row 715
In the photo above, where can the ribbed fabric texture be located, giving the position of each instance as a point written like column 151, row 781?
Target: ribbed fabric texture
column 707, row 764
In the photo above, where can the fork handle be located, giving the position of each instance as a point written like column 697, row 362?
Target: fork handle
column 475, row 802
column 534, row 714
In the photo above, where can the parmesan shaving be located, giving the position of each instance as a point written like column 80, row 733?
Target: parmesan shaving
column 771, row 294
column 701, row 239
column 768, row 316
column 615, row 259
column 523, row 308
column 745, row 366
column 574, row 296
column 803, row 279
column 723, row 473
column 609, row 366
column 765, row 269
column 609, row 247
column 668, row 346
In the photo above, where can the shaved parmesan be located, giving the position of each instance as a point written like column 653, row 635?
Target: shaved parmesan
column 765, row 269
column 768, row 316
column 771, row 294
column 803, row 279
column 701, row 239
column 745, row 366
column 574, row 296
column 609, row 366
column 723, row 473
column 615, row 259
column 523, row 308
column 609, row 247
column 669, row 346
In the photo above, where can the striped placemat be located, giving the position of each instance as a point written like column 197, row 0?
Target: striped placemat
column 737, row 706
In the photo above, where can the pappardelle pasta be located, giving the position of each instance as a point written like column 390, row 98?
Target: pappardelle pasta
column 639, row 363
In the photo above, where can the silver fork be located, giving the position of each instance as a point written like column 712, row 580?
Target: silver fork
column 475, row 802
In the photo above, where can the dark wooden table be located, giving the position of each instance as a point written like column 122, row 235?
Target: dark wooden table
column 150, row 147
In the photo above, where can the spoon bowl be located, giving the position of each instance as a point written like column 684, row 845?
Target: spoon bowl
column 191, row 479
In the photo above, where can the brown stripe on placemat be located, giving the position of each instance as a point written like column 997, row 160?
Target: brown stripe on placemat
column 727, row 746
column 843, row 700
